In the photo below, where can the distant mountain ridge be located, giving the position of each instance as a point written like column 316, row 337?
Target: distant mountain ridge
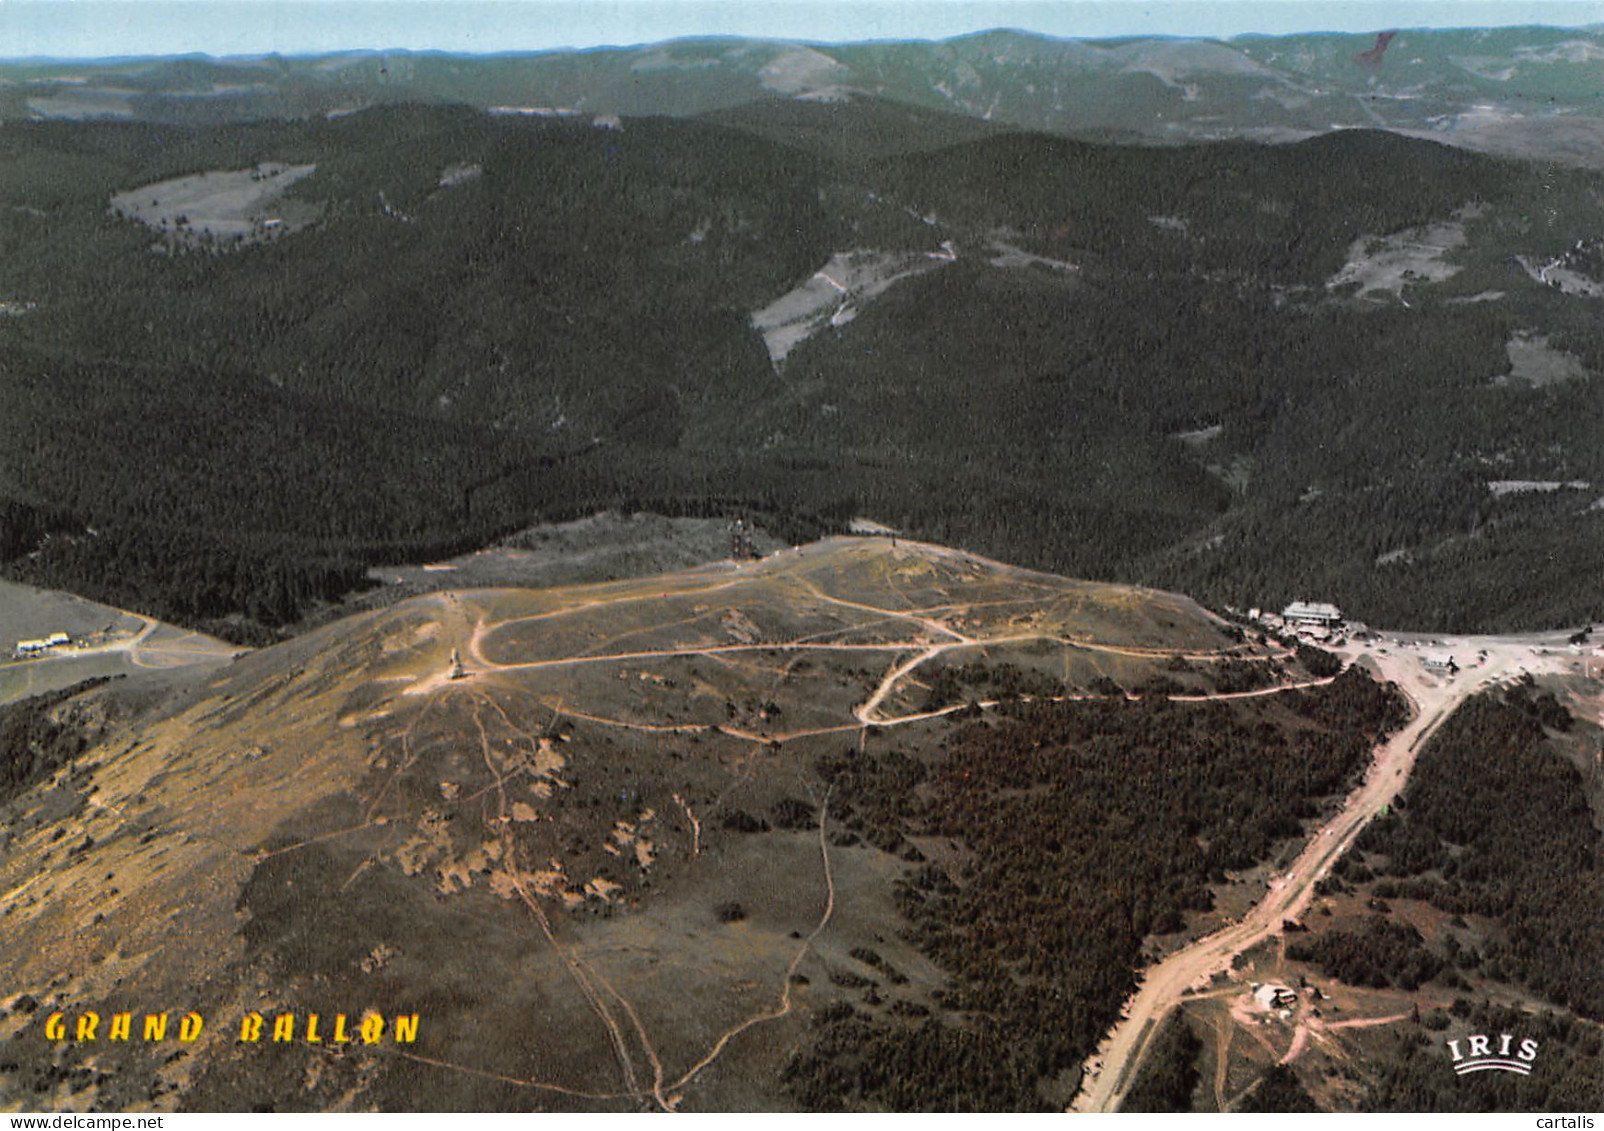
column 1531, row 91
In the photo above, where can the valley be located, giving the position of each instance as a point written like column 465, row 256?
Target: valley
column 432, row 363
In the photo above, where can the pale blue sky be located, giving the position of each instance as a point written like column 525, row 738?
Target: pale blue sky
column 99, row 28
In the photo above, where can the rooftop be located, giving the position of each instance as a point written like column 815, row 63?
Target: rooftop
column 1312, row 609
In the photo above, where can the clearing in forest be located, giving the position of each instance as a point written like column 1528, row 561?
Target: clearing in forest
column 221, row 207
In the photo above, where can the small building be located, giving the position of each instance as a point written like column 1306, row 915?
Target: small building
column 1312, row 613
column 1440, row 662
column 34, row 647
column 1273, row 996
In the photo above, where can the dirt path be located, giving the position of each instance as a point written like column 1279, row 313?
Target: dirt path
column 592, row 985
column 611, row 1008
column 867, row 714
column 929, row 635
column 1225, row 1031
column 155, row 645
column 932, row 637
column 783, row 1006
column 1166, row 983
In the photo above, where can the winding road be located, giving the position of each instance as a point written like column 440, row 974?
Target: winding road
column 933, row 632
column 1111, row 1069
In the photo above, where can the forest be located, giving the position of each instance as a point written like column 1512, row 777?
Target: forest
column 1169, row 1076
column 37, row 738
column 1494, row 825
column 232, row 436
column 1570, row 1053
column 1279, row 1092
column 1495, row 822
column 1086, row 828
column 1169, row 1071
column 1380, row 953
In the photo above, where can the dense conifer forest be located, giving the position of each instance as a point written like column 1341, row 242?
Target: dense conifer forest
column 37, row 738
column 1169, row 1069
column 1495, row 831
column 1279, row 1092
column 1537, row 869
column 1570, row 1055
column 1084, row 828
column 241, row 431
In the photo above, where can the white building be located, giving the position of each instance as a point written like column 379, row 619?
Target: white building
column 1313, row 614
column 1440, row 662
column 34, row 647
column 1272, row 996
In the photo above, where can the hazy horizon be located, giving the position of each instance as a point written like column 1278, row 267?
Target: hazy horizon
column 87, row 30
